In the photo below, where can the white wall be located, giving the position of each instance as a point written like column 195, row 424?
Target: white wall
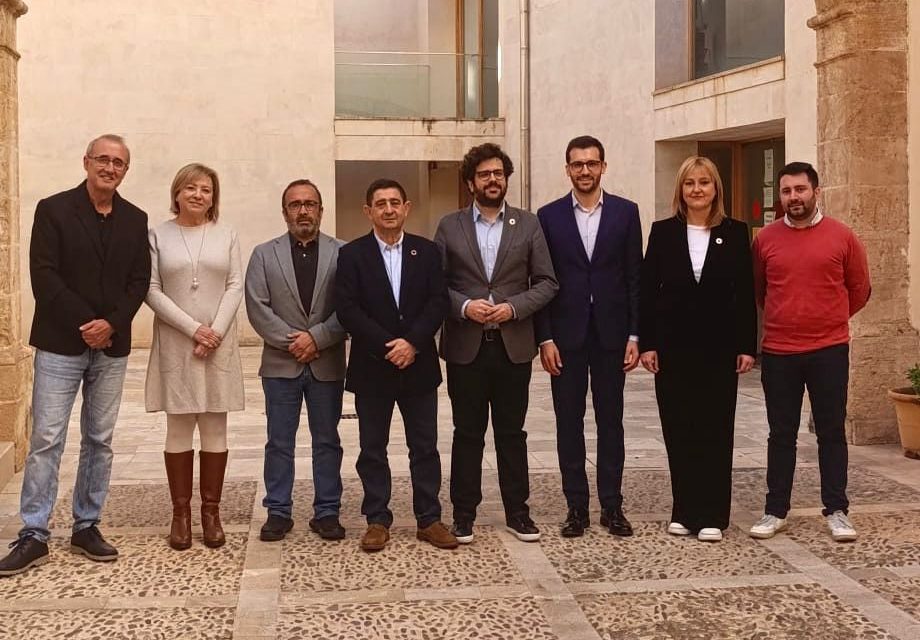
column 592, row 72
column 244, row 86
column 801, row 94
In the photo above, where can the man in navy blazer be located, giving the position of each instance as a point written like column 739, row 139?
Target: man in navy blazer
column 595, row 240
column 391, row 297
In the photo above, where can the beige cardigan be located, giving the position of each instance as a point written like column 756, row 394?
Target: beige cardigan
column 177, row 381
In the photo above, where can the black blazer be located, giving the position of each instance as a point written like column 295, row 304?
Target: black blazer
column 677, row 314
column 365, row 307
column 610, row 278
column 73, row 282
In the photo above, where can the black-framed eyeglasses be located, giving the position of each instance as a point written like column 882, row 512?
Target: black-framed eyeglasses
column 296, row 205
column 103, row 161
column 498, row 174
column 578, row 166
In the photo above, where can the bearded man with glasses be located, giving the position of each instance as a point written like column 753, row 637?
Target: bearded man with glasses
column 499, row 274
column 290, row 285
column 90, row 266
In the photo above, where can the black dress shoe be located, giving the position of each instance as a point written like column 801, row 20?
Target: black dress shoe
column 275, row 528
column 328, row 528
column 26, row 553
column 575, row 523
column 616, row 522
column 91, row 544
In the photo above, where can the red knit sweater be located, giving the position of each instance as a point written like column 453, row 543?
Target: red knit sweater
column 809, row 282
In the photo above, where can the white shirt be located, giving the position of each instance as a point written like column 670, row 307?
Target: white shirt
column 813, row 222
column 698, row 241
column 392, row 261
column 588, row 221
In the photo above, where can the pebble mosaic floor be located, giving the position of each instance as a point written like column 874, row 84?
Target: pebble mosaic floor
column 651, row 586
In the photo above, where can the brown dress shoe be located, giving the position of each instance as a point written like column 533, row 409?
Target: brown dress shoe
column 436, row 534
column 375, row 538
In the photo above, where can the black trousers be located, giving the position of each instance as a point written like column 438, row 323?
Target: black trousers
column 825, row 373
column 696, row 393
column 420, row 416
column 570, row 390
column 490, row 383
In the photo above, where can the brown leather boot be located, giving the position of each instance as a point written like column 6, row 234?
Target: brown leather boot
column 179, row 473
column 211, row 481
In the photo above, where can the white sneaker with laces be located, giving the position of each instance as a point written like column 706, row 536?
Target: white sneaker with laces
column 677, row 529
column 767, row 527
column 709, row 534
column 842, row 529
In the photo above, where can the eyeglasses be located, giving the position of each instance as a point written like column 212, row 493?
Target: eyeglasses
column 498, row 174
column 577, row 166
column 103, row 161
column 296, row 205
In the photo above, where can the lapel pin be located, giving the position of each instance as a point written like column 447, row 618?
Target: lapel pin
column 512, row 221
column 718, row 240
column 413, row 253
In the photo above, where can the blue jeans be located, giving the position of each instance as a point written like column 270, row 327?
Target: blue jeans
column 283, row 399
column 57, row 380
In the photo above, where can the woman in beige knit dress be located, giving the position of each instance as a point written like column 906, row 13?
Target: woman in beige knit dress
column 194, row 373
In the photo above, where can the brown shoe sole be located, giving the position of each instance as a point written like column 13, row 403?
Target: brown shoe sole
column 365, row 546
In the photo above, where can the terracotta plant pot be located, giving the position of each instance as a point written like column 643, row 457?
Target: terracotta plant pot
column 907, row 407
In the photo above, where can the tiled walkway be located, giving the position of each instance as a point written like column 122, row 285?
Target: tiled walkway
column 798, row 585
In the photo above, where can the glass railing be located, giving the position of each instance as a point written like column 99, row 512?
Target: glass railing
column 414, row 84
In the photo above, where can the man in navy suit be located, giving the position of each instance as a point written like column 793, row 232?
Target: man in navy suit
column 391, row 297
column 595, row 240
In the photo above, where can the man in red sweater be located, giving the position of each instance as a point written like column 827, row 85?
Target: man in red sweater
column 810, row 276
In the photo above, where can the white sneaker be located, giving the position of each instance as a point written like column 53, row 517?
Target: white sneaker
column 841, row 528
column 677, row 529
column 767, row 527
column 709, row 534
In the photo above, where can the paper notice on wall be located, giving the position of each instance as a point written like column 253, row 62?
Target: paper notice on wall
column 769, row 217
column 767, row 197
column 768, row 167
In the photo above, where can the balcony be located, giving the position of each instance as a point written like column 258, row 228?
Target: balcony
column 415, row 85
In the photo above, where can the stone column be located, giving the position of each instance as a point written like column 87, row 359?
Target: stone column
column 862, row 160
column 15, row 359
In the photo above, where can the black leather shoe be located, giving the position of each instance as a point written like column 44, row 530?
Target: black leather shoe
column 275, row 528
column 575, row 523
column 616, row 522
column 91, row 544
column 328, row 528
column 26, row 553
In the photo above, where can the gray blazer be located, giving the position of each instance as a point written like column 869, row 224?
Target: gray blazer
column 523, row 276
column 274, row 309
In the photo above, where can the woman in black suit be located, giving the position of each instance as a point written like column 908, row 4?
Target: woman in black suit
column 697, row 332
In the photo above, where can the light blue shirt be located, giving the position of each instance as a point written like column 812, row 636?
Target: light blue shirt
column 392, row 261
column 588, row 221
column 488, row 237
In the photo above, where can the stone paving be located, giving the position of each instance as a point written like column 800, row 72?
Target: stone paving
column 797, row 585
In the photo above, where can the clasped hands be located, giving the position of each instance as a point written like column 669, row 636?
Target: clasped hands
column 484, row 312
column 206, row 341
column 97, row 334
column 303, row 346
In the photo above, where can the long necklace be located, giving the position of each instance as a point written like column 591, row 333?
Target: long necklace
column 195, row 263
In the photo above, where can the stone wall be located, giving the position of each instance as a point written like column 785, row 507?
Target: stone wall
column 15, row 359
column 862, row 67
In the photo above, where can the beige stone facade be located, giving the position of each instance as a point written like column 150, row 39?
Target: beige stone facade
column 863, row 155
column 15, row 359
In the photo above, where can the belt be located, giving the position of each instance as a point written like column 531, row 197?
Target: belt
column 491, row 335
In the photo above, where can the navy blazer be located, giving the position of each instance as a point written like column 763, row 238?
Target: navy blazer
column 74, row 281
column 610, row 277
column 366, row 309
column 713, row 316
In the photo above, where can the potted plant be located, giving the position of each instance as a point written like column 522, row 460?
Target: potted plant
column 907, row 406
